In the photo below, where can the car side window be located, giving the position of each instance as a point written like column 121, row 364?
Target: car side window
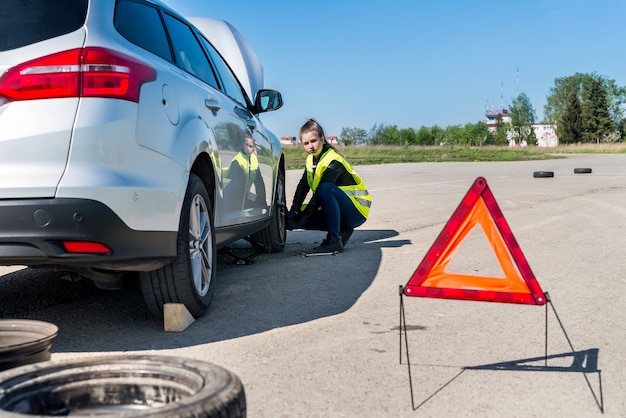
column 188, row 52
column 229, row 82
column 25, row 22
column 141, row 25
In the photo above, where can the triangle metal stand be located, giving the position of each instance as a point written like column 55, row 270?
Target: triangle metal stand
column 600, row 401
column 403, row 329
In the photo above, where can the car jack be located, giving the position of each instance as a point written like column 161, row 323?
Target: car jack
column 257, row 248
column 238, row 259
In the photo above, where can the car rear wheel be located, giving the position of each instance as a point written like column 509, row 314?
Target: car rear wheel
column 274, row 235
column 190, row 278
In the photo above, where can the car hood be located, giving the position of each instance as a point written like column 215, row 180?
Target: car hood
column 235, row 49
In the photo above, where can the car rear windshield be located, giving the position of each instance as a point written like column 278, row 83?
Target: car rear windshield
column 24, row 22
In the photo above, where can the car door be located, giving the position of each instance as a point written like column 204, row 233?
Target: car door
column 255, row 159
column 250, row 173
column 221, row 113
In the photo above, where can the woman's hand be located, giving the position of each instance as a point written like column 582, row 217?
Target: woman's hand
column 292, row 218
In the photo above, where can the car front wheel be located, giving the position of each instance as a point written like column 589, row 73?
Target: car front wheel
column 273, row 236
column 190, row 278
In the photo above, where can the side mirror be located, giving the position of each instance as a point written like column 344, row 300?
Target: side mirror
column 267, row 100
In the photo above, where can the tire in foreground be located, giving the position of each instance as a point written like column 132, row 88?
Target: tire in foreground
column 124, row 385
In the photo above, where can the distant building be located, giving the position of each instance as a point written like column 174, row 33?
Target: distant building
column 292, row 140
column 492, row 117
column 545, row 134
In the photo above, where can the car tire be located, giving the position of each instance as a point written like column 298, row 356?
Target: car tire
column 190, row 278
column 273, row 236
column 142, row 385
column 582, row 170
column 541, row 174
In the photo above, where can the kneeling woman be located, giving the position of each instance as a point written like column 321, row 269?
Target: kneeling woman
column 340, row 201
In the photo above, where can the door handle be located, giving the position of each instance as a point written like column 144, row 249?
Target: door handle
column 212, row 104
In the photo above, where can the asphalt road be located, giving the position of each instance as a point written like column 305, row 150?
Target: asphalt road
column 319, row 337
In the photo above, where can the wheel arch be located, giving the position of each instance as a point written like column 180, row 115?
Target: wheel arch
column 281, row 168
column 204, row 168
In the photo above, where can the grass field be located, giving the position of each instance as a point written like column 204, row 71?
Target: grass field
column 361, row 155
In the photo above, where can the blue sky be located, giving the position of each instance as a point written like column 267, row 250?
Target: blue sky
column 413, row 63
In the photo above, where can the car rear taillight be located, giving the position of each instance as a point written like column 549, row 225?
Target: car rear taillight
column 83, row 72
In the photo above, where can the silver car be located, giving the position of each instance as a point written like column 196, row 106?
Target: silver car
column 130, row 141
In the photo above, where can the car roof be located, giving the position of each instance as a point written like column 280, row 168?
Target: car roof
column 235, row 49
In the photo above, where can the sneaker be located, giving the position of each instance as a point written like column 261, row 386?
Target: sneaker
column 325, row 240
column 345, row 235
column 329, row 245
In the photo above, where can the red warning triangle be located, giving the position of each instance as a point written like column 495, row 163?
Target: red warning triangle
column 518, row 285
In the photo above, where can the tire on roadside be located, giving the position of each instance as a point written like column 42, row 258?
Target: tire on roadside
column 190, row 278
column 274, row 235
column 142, row 385
column 543, row 174
column 582, row 170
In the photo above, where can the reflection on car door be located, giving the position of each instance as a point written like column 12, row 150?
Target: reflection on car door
column 249, row 174
column 218, row 110
column 228, row 130
column 262, row 179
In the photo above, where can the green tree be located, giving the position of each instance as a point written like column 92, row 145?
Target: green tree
column 390, row 135
column 376, row 134
column 465, row 137
column 424, row 136
column 354, row 136
column 617, row 99
column 522, row 118
column 437, row 133
column 621, row 129
column 598, row 125
column 571, row 123
column 479, row 134
column 408, row 136
column 557, row 99
column 580, row 83
column 452, row 135
column 468, row 135
column 501, row 136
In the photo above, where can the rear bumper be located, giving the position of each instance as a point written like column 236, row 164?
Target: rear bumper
column 32, row 232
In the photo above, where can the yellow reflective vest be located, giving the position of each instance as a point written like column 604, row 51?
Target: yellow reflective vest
column 357, row 193
column 248, row 166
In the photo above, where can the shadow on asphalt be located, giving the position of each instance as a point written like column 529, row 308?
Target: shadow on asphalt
column 277, row 290
column 585, row 362
column 581, row 362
